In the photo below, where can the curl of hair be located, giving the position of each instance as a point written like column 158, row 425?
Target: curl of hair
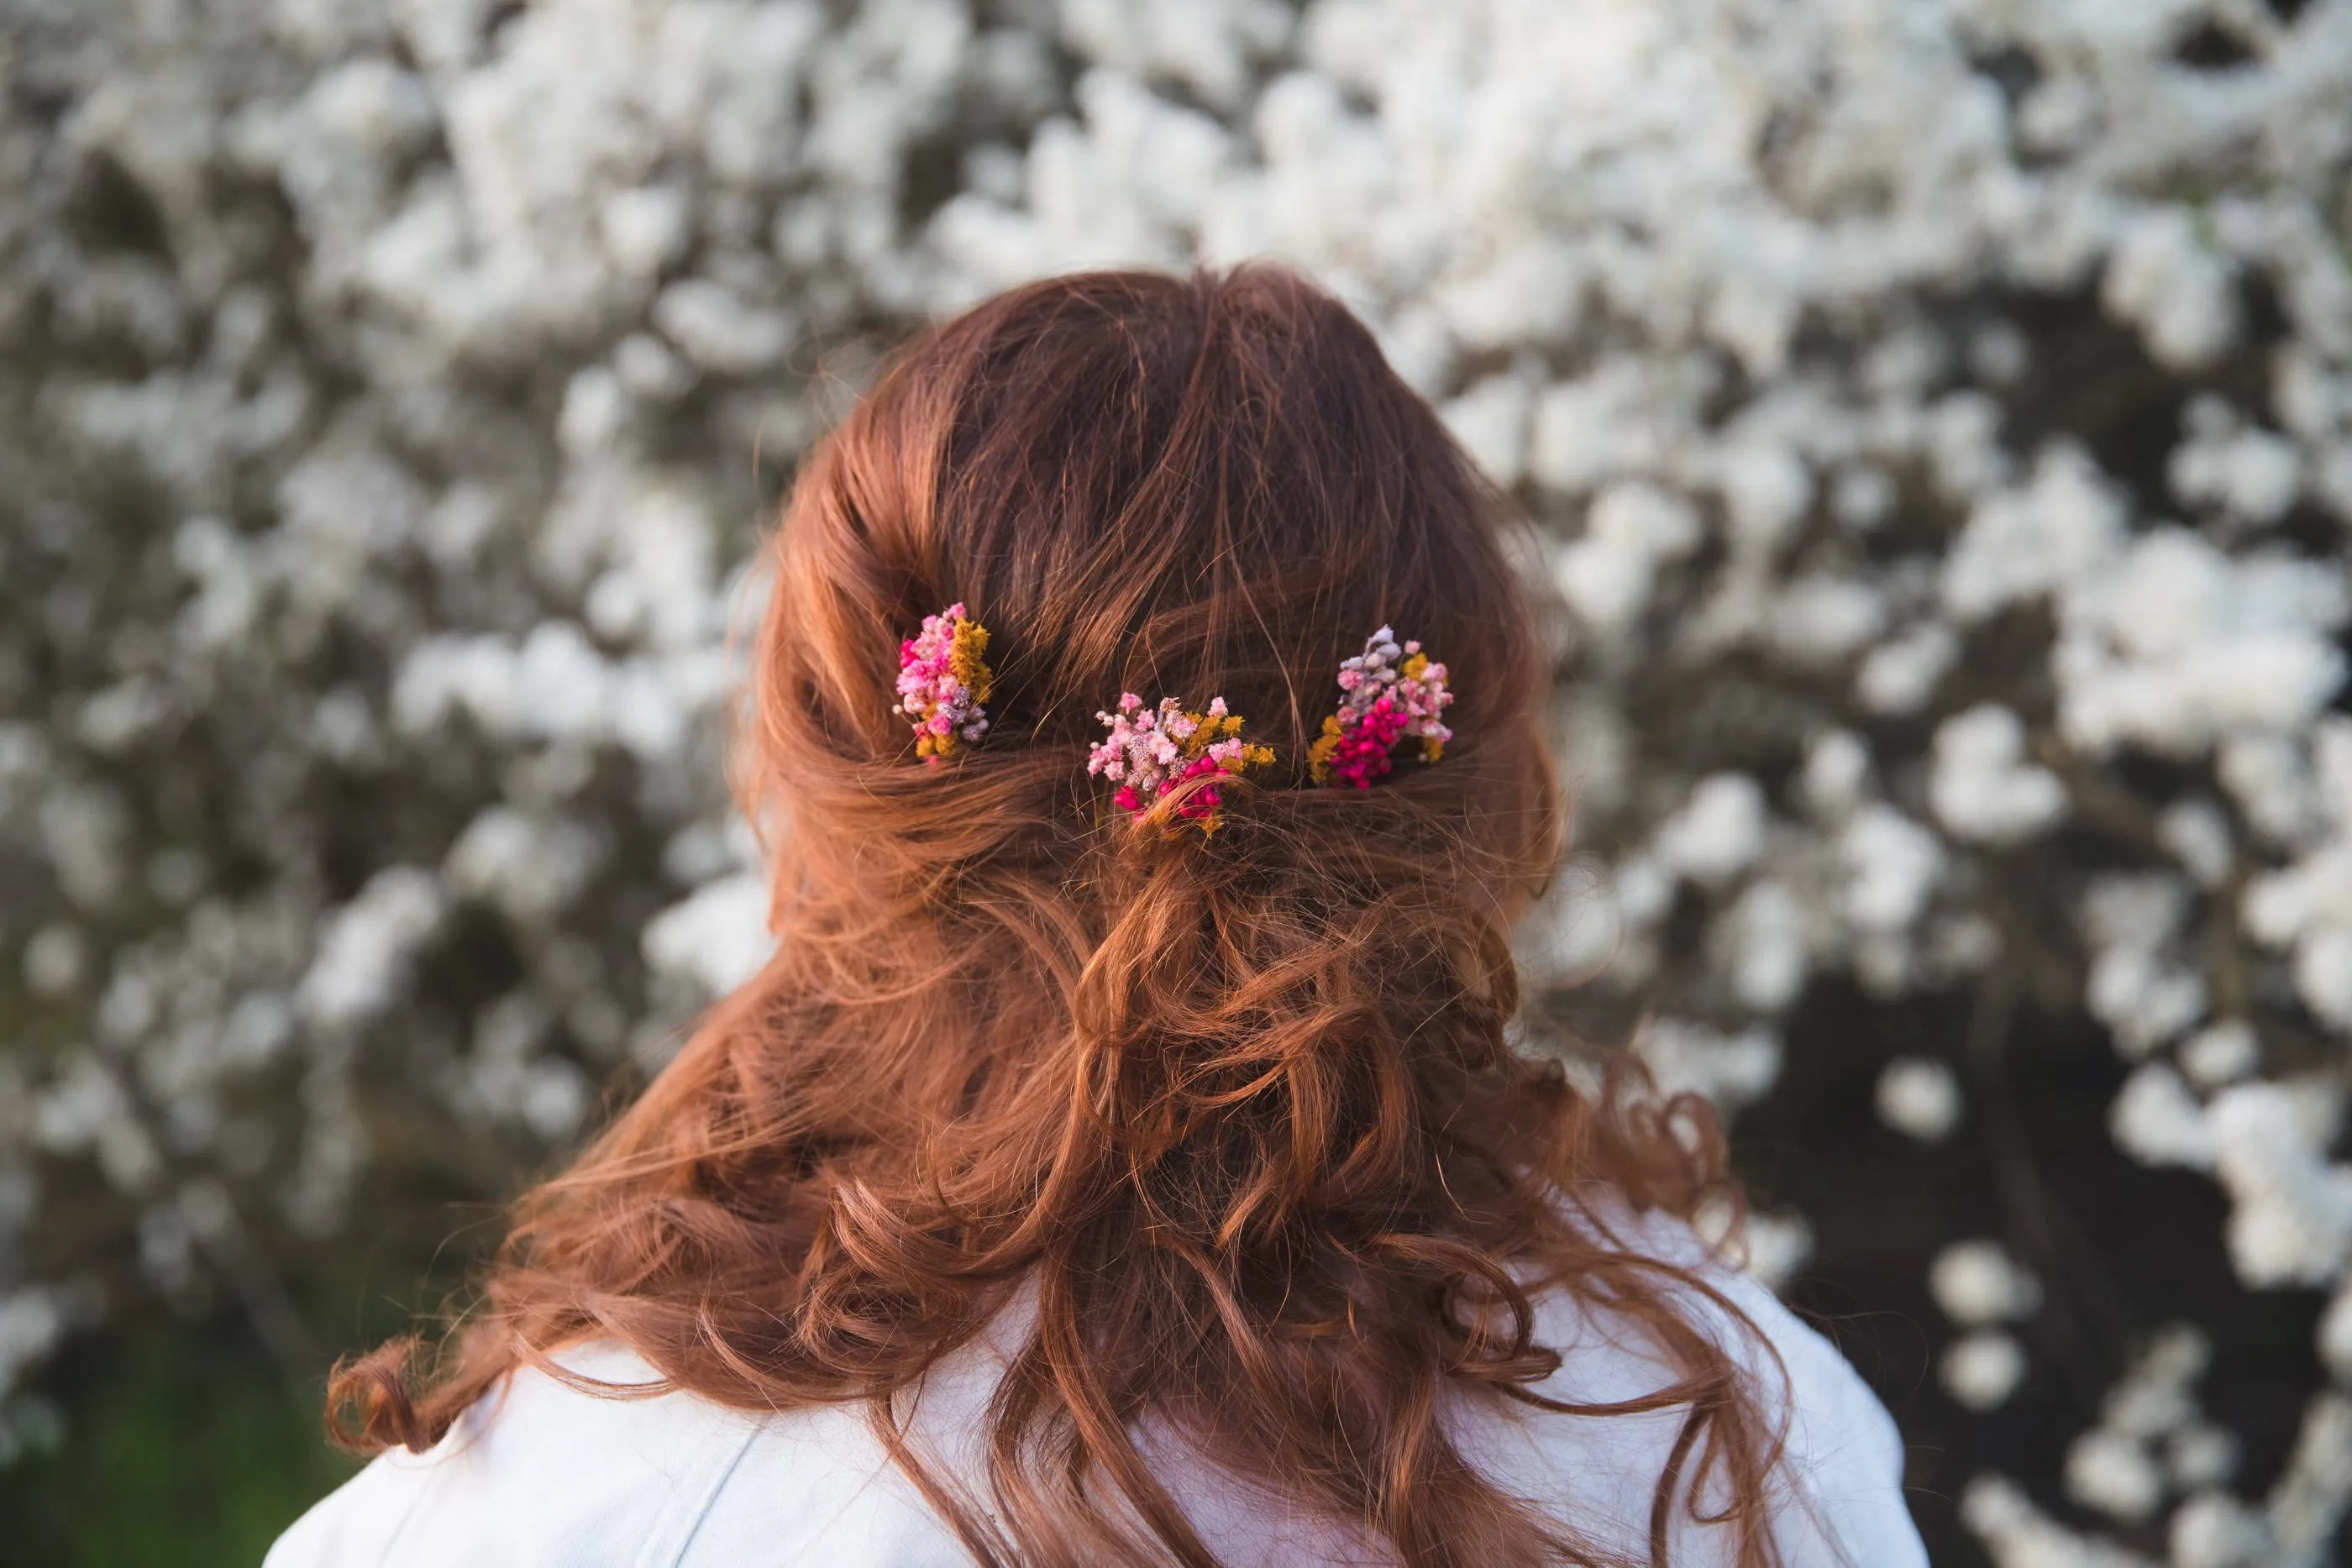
column 1242, row 1111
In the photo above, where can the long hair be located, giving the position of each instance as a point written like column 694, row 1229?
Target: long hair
column 1240, row 1113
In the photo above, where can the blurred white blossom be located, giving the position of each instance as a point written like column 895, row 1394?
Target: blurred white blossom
column 1977, row 1282
column 1919, row 1097
column 1981, row 1369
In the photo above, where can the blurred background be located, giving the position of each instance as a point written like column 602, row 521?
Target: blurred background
column 1938, row 415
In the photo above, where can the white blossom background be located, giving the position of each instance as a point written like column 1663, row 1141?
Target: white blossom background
column 1938, row 415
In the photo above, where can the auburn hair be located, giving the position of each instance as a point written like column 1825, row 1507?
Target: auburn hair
column 1243, row 1111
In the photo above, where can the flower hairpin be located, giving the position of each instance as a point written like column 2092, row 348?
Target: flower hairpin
column 1149, row 753
column 943, row 679
column 1387, row 693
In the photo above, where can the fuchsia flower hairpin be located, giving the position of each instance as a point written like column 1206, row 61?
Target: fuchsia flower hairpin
column 1383, row 700
column 1149, row 753
column 943, row 680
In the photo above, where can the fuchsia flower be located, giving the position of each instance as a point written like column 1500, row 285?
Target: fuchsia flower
column 1381, row 701
column 1149, row 753
column 943, row 679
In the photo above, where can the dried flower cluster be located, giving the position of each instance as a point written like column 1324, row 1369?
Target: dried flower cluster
column 1381, row 702
column 943, row 680
column 1150, row 753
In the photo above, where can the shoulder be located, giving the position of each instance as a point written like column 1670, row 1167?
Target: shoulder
column 1838, row 1490
column 542, row 1473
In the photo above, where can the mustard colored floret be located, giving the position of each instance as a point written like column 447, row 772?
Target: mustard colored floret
column 1208, row 729
column 966, row 660
column 1318, row 755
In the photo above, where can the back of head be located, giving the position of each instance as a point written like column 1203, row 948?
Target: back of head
column 1239, row 1108
column 1150, row 484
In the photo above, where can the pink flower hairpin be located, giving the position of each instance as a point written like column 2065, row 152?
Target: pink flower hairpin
column 1387, row 693
column 1149, row 753
column 943, row 679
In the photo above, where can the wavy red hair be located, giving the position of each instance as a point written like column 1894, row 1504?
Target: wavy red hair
column 1243, row 1111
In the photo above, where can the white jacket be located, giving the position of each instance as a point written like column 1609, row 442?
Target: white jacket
column 544, row 1476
